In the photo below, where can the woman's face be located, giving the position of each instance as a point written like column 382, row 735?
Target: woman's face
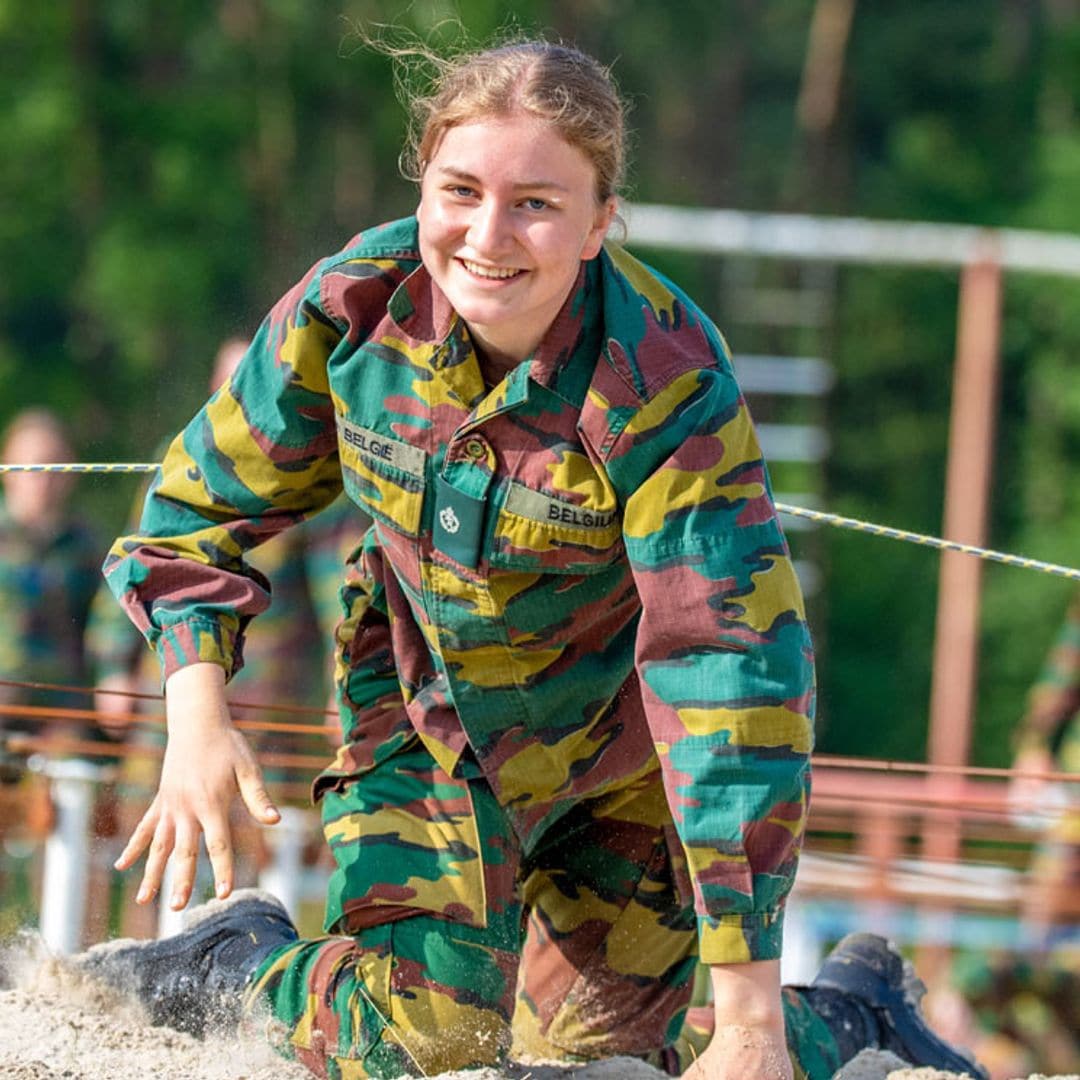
column 507, row 213
column 37, row 501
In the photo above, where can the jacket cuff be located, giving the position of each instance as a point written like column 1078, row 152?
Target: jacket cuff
column 738, row 939
column 198, row 642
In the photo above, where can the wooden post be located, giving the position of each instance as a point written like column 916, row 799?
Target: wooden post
column 967, row 494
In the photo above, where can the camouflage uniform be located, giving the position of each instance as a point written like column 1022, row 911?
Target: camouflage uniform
column 46, row 585
column 575, row 674
column 1052, row 723
column 1053, row 715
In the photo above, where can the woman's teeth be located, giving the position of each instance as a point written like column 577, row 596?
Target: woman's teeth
column 490, row 271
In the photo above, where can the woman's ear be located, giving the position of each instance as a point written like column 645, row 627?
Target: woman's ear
column 605, row 214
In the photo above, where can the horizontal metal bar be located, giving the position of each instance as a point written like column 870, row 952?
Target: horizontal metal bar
column 783, row 374
column 843, row 239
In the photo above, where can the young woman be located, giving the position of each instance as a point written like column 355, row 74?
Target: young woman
column 575, row 676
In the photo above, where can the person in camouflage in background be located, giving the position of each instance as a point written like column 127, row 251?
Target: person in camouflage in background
column 48, row 576
column 1047, row 741
column 575, row 674
column 1020, row 1006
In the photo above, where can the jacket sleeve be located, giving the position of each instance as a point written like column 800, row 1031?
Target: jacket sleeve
column 260, row 456
column 723, row 653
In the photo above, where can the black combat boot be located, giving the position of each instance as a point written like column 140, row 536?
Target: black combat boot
column 869, row 998
column 194, row 981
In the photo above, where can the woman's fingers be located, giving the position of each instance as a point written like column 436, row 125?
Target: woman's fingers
column 190, row 810
column 185, row 861
column 156, row 857
column 253, row 791
column 140, row 839
column 219, row 848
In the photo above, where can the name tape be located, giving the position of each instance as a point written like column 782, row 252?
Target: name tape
column 539, row 507
column 376, row 447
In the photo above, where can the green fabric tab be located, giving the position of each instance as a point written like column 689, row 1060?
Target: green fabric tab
column 400, row 305
column 468, row 478
column 459, row 523
column 517, row 385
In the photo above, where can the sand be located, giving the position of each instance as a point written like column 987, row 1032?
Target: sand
column 56, row 1024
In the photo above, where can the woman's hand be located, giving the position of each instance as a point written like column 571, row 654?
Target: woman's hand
column 206, row 762
column 737, row 1053
column 748, row 1039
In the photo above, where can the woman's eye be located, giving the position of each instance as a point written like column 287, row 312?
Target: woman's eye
column 462, row 192
column 536, row 204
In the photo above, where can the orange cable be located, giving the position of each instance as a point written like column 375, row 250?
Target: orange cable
column 49, row 712
column 306, row 710
column 22, row 744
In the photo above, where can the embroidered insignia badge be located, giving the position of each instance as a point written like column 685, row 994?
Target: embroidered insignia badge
column 449, row 520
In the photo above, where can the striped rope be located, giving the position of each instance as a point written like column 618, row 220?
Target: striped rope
column 821, row 516
column 80, row 467
column 889, row 532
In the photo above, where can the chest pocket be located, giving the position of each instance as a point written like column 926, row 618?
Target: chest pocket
column 538, row 532
column 383, row 475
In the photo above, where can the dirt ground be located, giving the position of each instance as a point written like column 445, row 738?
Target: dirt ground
column 54, row 1025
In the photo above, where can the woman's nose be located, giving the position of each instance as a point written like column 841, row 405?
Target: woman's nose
column 489, row 229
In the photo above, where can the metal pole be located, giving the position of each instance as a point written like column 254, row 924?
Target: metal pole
column 967, row 497
column 170, row 922
column 67, row 852
column 848, row 240
column 283, row 875
column 804, row 948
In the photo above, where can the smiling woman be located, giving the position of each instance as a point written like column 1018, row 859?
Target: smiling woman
column 575, row 676
column 508, row 212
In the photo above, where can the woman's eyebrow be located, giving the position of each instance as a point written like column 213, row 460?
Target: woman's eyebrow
column 466, row 177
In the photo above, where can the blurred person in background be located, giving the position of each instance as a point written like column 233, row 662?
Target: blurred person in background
column 288, row 654
column 1047, row 742
column 1019, row 1009
column 49, row 573
column 1031, row 1002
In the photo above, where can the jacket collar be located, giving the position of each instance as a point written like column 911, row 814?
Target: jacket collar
column 565, row 358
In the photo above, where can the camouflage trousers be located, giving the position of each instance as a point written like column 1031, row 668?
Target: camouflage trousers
column 454, row 948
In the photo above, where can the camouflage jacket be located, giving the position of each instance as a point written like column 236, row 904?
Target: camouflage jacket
column 1053, row 714
column 570, row 576
column 46, row 584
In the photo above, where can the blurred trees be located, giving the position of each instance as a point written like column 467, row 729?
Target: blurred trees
column 169, row 169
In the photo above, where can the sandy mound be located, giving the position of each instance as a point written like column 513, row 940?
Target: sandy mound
column 55, row 1024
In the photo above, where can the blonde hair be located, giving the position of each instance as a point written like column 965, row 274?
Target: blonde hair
column 558, row 83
